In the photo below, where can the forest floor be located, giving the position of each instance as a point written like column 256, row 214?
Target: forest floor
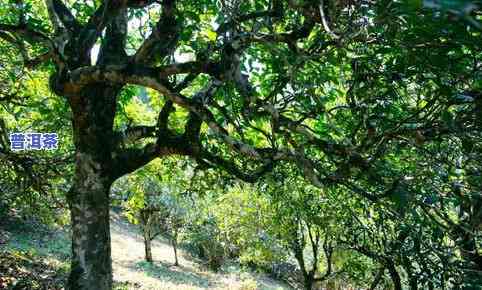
column 47, row 252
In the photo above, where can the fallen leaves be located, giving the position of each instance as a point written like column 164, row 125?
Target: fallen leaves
column 22, row 270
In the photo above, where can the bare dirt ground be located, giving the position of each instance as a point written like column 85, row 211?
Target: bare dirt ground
column 129, row 266
column 51, row 247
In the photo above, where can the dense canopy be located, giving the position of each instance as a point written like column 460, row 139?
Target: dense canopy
column 358, row 121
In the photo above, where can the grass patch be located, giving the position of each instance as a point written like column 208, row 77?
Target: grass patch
column 37, row 239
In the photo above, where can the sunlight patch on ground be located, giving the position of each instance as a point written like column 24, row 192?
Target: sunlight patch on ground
column 129, row 266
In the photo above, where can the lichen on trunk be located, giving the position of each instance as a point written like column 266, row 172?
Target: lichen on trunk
column 93, row 114
column 91, row 266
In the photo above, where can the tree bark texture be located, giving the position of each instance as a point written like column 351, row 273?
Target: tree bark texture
column 93, row 115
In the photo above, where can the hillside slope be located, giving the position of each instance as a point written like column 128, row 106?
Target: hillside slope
column 130, row 269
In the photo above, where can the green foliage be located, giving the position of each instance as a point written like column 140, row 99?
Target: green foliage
column 161, row 186
column 205, row 240
column 245, row 223
column 359, row 121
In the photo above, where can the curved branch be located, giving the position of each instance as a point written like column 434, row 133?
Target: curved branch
column 33, row 37
column 231, row 167
column 113, row 45
column 136, row 74
column 63, row 14
column 168, row 143
column 325, row 22
column 250, row 16
column 163, row 39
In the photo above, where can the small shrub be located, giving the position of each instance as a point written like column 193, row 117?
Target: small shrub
column 204, row 239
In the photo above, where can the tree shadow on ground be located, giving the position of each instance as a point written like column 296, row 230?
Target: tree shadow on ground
column 23, row 270
column 178, row 275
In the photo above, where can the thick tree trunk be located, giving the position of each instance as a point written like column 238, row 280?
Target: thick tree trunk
column 93, row 115
column 89, row 206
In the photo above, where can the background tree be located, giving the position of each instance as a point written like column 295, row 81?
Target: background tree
column 174, row 218
column 142, row 208
column 157, row 201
